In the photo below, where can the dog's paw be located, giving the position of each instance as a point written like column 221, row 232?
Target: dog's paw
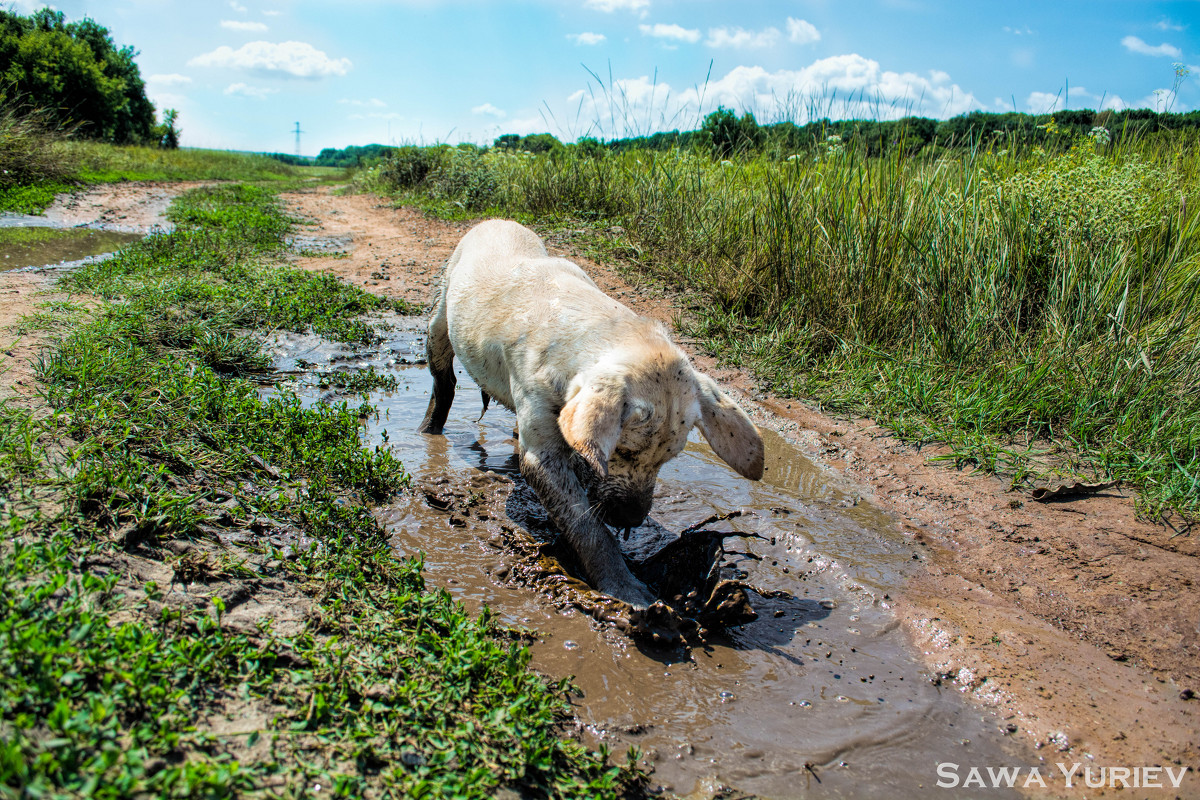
column 632, row 591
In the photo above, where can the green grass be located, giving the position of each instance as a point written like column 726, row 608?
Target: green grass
column 106, row 163
column 32, row 199
column 110, row 687
column 1035, row 307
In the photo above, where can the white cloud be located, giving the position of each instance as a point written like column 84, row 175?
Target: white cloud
column 374, row 102
column 1077, row 97
column 738, row 37
column 238, row 25
column 1043, row 102
column 172, row 79
column 295, row 59
column 238, row 7
column 377, row 115
column 272, row 13
column 639, row 7
column 249, row 91
column 1168, row 25
column 1023, row 30
column 676, row 33
column 165, row 99
column 1135, row 45
column 839, row 87
column 489, row 110
column 1161, row 100
column 801, row 31
column 28, row 6
column 587, row 38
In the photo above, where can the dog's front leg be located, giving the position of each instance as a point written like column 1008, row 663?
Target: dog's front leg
column 546, row 465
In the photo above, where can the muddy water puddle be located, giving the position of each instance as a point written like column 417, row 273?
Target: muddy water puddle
column 23, row 246
column 819, row 696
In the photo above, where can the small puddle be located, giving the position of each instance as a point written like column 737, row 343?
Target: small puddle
column 820, row 696
column 24, row 246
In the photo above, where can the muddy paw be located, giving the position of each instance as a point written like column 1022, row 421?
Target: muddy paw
column 633, row 592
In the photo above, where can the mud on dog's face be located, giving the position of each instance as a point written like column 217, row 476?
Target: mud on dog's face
column 626, row 422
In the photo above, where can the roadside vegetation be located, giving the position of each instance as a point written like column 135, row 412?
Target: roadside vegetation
column 155, row 497
column 1027, row 293
column 43, row 163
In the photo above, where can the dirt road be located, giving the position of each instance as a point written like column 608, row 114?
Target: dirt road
column 1074, row 625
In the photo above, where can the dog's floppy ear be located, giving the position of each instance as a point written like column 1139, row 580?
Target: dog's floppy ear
column 591, row 420
column 729, row 431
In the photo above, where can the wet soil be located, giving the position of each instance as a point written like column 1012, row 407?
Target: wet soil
column 821, row 688
column 22, row 247
column 1074, row 624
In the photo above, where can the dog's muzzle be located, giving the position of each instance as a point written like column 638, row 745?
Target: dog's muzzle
column 624, row 512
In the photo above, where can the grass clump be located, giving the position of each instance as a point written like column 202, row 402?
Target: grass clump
column 34, row 163
column 113, row 678
column 1032, row 303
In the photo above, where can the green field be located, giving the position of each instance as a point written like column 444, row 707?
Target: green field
column 38, row 163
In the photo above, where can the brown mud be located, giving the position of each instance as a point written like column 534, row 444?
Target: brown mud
column 821, row 688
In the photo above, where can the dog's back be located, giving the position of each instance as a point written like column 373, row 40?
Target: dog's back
column 512, row 309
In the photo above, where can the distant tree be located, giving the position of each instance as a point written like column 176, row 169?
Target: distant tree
column 76, row 75
column 352, row 156
column 729, row 135
column 508, row 141
column 540, row 143
column 591, row 147
column 169, row 131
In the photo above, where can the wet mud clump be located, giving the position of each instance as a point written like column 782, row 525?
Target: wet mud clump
column 699, row 591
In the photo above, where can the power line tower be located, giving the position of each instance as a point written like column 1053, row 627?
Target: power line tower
column 298, row 132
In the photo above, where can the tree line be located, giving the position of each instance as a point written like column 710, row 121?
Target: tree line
column 724, row 134
column 76, row 79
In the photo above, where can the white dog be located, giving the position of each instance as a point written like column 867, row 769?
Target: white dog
column 603, row 398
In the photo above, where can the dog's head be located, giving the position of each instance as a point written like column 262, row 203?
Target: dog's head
column 630, row 415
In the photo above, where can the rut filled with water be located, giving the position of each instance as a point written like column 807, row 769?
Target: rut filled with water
column 23, row 246
column 820, row 696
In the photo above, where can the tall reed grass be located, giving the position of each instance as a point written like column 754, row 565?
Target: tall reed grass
column 1034, row 306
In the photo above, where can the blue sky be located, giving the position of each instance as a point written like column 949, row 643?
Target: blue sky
column 243, row 72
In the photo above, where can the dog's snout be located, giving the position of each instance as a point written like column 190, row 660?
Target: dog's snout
column 625, row 513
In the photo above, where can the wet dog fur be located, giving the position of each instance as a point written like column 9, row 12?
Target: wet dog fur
column 603, row 398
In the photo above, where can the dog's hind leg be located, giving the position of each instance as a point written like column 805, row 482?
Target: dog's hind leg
column 440, row 355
